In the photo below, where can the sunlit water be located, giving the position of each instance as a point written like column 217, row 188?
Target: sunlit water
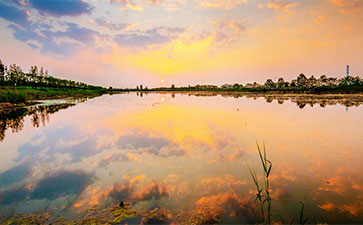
column 187, row 154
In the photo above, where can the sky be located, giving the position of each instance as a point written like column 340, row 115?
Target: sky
column 124, row 43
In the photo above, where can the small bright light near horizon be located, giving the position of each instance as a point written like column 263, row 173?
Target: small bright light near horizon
column 162, row 80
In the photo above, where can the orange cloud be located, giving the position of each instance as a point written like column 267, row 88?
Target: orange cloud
column 282, row 5
column 223, row 4
column 235, row 26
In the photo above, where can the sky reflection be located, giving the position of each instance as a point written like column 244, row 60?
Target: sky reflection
column 185, row 155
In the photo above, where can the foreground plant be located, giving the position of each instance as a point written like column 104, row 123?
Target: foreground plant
column 263, row 193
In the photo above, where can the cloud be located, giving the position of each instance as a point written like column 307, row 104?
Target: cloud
column 155, row 2
column 128, row 4
column 69, row 141
column 112, row 26
column 14, row 14
column 347, row 6
column 62, row 183
column 122, row 192
column 140, row 5
column 142, row 39
column 236, row 26
column 155, row 191
column 222, row 208
column 140, row 141
column 319, row 19
column 61, row 7
column 67, row 42
column 75, row 32
column 15, row 174
column 107, row 160
column 282, row 5
column 157, row 146
column 13, row 195
column 128, row 191
column 225, row 4
column 58, row 184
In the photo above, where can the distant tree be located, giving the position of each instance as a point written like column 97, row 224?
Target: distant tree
column 41, row 72
column 33, row 73
column 236, row 86
column 137, row 87
column 323, row 78
column 172, row 86
column 293, row 83
column 270, row 84
column 281, row 82
column 2, row 73
column 302, row 80
column 15, row 74
column 140, row 86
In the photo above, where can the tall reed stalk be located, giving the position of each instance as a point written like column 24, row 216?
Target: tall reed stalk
column 263, row 193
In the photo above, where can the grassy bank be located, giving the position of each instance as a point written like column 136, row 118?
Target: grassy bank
column 23, row 94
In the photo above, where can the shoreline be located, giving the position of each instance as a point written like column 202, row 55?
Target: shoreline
column 33, row 94
column 26, row 95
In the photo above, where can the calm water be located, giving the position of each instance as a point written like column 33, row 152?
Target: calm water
column 187, row 154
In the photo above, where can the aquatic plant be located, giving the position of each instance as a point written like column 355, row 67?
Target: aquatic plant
column 263, row 193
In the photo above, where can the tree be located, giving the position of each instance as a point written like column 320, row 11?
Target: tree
column 15, row 74
column 140, row 86
column 2, row 73
column 281, row 82
column 33, row 73
column 270, row 84
column 172, row 86
column 301, row 80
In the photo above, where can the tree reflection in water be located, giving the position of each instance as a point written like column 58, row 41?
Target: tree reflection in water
column 301, row 100
column 14, row 118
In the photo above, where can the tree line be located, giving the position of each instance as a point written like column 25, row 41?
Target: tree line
column 13, row 75
column 301, row 83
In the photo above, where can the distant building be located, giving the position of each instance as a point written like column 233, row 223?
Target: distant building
column 347, row 70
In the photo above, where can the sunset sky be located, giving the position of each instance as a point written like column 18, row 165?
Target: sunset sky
column 124, row 43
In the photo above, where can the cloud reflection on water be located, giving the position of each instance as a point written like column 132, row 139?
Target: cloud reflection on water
column 187, row 154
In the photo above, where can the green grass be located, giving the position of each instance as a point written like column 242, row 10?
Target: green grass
column 12, row 97
column 23, row 93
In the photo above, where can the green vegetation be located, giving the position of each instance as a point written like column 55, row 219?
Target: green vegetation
column 301, row 84
column 23, row 93
column 263, row 194
column 17, row 86
column 12, row 97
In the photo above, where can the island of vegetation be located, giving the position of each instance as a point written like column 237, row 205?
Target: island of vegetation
column 17, row 87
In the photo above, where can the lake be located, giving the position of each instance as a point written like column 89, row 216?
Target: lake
column 186, row 154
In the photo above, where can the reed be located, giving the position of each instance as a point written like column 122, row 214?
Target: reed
column 263, row 192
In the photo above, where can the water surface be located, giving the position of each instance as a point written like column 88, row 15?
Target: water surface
column 186, row 154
